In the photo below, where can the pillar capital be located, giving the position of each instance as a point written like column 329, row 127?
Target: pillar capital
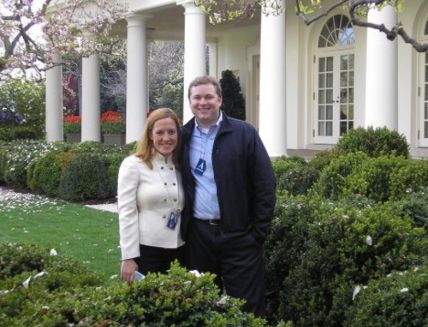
column 136, row 19
column 190, row 7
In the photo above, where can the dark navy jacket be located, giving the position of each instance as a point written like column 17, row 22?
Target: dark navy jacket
column 244, row 177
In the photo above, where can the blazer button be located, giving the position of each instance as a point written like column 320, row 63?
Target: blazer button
column 163, row 216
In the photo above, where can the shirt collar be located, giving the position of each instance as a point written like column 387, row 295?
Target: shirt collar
column 216, row 125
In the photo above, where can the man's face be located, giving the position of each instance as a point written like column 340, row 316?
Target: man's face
column 205, row 104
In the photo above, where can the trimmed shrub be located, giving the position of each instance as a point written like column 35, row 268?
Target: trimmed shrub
column 114, row 161
column 323, row 158
column 19, row 132
column 332, row 180
column 373, row 178
column 319, row 251
column 44, row 174
column 374, row 142
column 66, row 294
column 415, row 205
column 298, row 180
column 233, row 99
column 399, row 299
column 19, row 155
column 283, row 164
column 409, row 178
column 85, row 177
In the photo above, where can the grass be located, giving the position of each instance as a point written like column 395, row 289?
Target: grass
column 73, row 230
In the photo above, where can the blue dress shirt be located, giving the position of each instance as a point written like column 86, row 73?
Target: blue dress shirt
column 201, row 147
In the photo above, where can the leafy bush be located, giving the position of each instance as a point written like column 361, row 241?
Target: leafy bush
column 233, row 99
column 399, row 299
column 65, row 294
column 114, row 161
column 319, row 251
column 415, row 205
column 379, row 178
column 19, row 132
column 374, row 142
column 44, row 174
column 298, row 180
column 282, row 164
column 25, row 99
column 332, row 179
column 323, row 158
column 18, row 156
column 85, row 177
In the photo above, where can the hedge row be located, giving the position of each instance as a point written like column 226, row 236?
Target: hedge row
column 75, row 172
column 320, row 251
column 60, row 292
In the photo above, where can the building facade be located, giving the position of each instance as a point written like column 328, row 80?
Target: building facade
column 305, row 86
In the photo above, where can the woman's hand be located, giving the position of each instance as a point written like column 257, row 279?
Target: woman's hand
column 127, row 270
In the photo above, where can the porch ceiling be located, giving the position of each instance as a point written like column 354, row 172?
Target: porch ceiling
column 167, row 23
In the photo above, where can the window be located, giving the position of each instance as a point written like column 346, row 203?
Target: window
column 338, row 31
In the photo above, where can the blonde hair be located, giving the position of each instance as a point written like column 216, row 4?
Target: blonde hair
column 145, row 149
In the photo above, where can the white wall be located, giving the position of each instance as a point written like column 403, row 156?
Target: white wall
column 232, row 51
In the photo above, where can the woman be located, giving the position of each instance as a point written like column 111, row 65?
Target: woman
column 150, row 199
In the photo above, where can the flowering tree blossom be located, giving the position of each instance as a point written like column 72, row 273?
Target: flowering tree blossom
column 31, row 31
column 310, row 11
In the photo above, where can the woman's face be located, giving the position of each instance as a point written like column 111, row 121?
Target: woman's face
column 164, row 135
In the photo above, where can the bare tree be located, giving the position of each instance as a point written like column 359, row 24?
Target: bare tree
column 310, row 11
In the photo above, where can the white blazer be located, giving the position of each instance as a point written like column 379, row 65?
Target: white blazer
column 146, row 198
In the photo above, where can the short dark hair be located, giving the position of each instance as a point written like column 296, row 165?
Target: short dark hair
column 203, row 80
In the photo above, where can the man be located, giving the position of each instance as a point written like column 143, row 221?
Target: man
column 230, row 196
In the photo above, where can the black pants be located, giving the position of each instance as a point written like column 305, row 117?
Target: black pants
column 154, row 259
column 236, row 259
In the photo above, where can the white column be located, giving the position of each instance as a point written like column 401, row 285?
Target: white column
column 212, row 59
column 381, row 73
column 194, row 49
column 272, row 114
column 54, row 102
column 91, row 99
column 136, row 78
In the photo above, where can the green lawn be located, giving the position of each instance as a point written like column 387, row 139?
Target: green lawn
column 71, row 229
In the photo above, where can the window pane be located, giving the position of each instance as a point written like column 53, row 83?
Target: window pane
column 321, row 97
column 343, row 62
column 351, row 112
column 329, row 98
column 343, row 127
column 426, row 28
column 329, row 64
column 426, row 92
column 343, row 95
column 343, row 79
column 321, row 67
column 321, row 131
column 328, row 129
column 426, row 130
column 350, row 125
column 426, row 111
column 351, row 95
column 330, row 80
column 343, row 112
column 351, row 78
column 351, row 61
column 321, row 113
column 329, row 112
column 321, row 80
